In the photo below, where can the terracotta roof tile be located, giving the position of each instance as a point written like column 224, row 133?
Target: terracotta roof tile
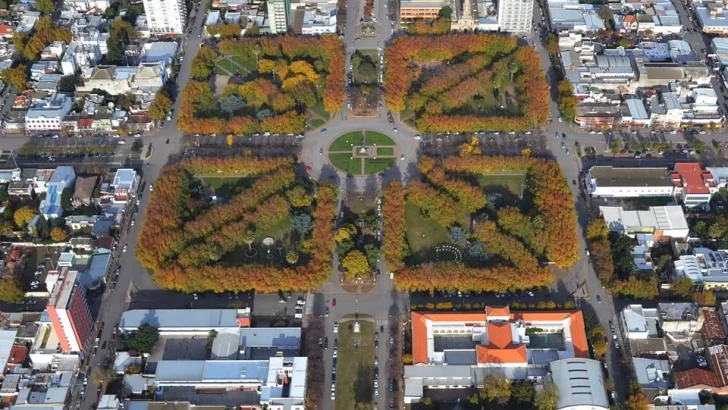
column 712, row 329
column 695, row 377
column 499, row 335
column 497, row 311
column 513, row 354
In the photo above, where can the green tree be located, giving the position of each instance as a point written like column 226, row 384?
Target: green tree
column 552, row 44
column 622, row 246
column 231, row 104
column 161, row 105
column 496, row 389
column 10, row 290
column 302, row 223
column 682, row 287
column 121, row 34
column 67, row 84
column 522, row 391
column 355, row 264
column 248, row 238
column 547, row 398
column 445, row 12
column 142, row 340
column 373, row 253
column 566, row 100
column 17, row 77
column 45, row 6
column 66, row 197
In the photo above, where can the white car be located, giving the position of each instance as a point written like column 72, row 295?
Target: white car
column 418, row 137
column 124, row 249
column 151, row 187
column 560, row 119
column 336, row 327
column 132, row 222
column 335, row 353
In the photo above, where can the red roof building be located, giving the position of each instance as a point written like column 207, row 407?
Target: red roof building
column 694, row 186
column 714, row 379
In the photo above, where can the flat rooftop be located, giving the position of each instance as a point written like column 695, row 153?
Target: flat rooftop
column 607, row 176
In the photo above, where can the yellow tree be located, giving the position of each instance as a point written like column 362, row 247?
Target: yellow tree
column 230, row 140
column 24, row 215
column 161, row 105
column 299, row 198
column 355, row 264
column 58, row 234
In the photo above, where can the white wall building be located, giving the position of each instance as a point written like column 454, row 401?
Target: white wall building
column 515, row 16
column 638, row 322
column 705, row 267
column 47, row 114
column 658, row 221
column 165, row 17
column 610, row 182
column 580, row 383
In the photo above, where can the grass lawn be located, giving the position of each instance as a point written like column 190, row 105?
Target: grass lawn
column 319, row 110
column 226, row 67
column 316, row 123
column 247, row 63
column 343, row 163
column 373, row 166
column 512, row 182
column 355, row 366
column 373, row 137
column 417, row 226
column 280, row 232
column 226, row 187
column 343, row 143
column 385, row 151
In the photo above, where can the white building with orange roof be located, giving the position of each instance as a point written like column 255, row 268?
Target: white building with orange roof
column 457, row 350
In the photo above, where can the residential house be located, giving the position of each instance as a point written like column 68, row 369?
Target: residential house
column 84, row 190
column 63, row 178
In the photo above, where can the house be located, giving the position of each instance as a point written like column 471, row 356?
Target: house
column 714, row 379
column 712, row 329
column 680, row 320
column 53, row 51
column 83, row 194
column 125, row 185
column 652, row 373
column 639, row 323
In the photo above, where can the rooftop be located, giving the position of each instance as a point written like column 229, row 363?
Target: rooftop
column 692, row 178
column 656, row 218
column 172, row 319
column 609, row 176
column 580, row 383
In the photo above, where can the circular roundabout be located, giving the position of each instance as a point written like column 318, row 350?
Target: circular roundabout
column 362, row 152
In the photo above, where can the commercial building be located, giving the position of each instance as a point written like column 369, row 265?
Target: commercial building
column 414, row 10
column 515, row 16
column 660, row 222
column 610, row 182
column 694, row 186
column 63, row 178
column 705, row 267
column 714, row 379
column 165, row 16
column 47, row 114
column 279, row 14
column 651, row 373
column 580, row 383
column 712, row 17
column 69, row 314
column 185, row 321
column 457, row 350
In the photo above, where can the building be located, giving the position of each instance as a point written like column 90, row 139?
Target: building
column 165, row 17
column 651, row 373
column 145, row 78
column 63, row 178
column 712, row 17
column 610, row 182
column 457, row 350
column 47, row 114
column 84, row 190
column 712, row 329
column 515, row 16
column 694, row 186
column 680, row 320
column 714, row 379
column 69, row 313
column 185, row 321
column 279, row 14
column 126, row 184
column 414, row 10
column 660, row 222
column 580, row 383
column 639, row 323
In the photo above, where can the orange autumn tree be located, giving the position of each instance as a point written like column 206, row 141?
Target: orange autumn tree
column 439, row 97
column 183, row 242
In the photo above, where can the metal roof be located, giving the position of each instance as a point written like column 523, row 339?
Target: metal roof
column 179, row 318
column 580, row 383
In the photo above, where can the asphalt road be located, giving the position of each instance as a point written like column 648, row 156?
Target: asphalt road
column 133, row 277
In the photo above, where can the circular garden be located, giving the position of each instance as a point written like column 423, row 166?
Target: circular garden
column 362, row 152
